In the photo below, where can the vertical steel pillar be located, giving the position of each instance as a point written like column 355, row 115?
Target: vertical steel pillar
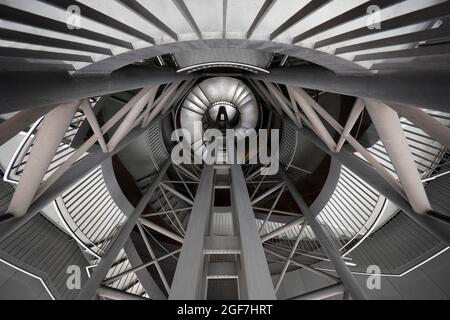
column 254, row 267
column 189, row 273
column 89, row 290
column 342, row 270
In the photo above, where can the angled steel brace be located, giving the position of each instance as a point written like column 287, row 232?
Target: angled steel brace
column 47, row 140
column 394, row 140
column 342, row 270
column 93, row 284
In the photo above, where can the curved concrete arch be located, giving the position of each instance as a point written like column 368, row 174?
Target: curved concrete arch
column 329, row 61
column 328, row 188
column 114, row 189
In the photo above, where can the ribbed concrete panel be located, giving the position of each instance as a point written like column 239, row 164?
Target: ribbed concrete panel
column 41, row 246
column 396, row 247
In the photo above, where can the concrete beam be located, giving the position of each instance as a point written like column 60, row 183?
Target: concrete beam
column 20, row 91
column 420, row 89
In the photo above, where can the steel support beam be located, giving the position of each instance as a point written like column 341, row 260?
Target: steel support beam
column 93, row 123
column 254, row 267
column 145, row 278
column 139, row 102
column 435, row 129
column 342, row 270
column 161, row 230
column 33, row 89
column 417, row 89
column 177, row 194
column 358, row 108
column 388, row 126
column 267, row 193
column 140, row 268
column 288, row 259
column 20, row 122
column 90, row 288
column 48, row 138
column 153, row 256
column 304, row 266
column 283, row 229
column 188, row 277
column 312, row 116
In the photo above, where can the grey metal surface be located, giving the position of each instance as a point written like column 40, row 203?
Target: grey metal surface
column 42, row 248
column 396, row 247
column 189, row 272
column 257, row 284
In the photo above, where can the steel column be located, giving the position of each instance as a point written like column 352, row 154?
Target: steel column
column 188, row 277
column 341, row 268
column 254, row 265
